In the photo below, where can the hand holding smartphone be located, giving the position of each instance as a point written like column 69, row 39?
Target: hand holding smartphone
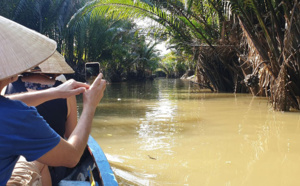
column 92, row 69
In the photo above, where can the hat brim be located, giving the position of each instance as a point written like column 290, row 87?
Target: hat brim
column 56, row 64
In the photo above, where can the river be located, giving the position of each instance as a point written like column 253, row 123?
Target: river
column 167, row 132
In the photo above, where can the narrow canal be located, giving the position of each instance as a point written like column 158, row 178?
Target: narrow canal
column 166, row 132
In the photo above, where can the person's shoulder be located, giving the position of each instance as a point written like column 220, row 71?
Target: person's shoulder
column 15, row 110
column 8, row 104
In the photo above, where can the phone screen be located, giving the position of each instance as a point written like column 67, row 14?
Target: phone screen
column 92, row 69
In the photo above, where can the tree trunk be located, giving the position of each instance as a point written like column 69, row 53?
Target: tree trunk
column 279, row 99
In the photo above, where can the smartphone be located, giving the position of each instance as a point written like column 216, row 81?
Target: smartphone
column 92, row 69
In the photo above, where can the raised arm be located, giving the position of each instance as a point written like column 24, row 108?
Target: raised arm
column 71, row 121
column 68, row 153
column 65, row 90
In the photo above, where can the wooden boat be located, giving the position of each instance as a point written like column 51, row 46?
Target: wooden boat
column 93, row 169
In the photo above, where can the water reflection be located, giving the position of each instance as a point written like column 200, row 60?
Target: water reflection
column 167, row 133
column 158, row 125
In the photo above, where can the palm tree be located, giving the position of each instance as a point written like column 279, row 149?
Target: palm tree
column 271, row 58
column 190, row 26
column 49, row 17
column 116, row 43
column 8, row 8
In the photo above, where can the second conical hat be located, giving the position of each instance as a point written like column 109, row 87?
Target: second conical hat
column 56, row 64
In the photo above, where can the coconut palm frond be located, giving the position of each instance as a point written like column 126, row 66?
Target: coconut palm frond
column 172, row 16
column 270, row 40
column 20, row 8
column 240, row 7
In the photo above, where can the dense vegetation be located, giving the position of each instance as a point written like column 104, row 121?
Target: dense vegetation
column 232, row 45
column 117, row 44
column 237, row 45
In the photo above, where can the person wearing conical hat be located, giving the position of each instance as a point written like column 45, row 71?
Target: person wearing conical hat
column 60, row 114
column 23, row 131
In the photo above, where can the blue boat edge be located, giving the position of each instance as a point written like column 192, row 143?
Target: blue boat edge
column 104, row 167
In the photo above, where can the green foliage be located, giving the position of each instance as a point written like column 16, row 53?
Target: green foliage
column 174, row 64
column 195, row 22
column 102, row 30
column 8, row 8
column 115, row 43
column 87, row 37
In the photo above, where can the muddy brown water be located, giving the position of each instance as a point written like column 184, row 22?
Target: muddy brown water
column 166, row 132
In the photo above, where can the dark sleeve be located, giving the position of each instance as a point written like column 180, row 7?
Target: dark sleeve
column 16, row 87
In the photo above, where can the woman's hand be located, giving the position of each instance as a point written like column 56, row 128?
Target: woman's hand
column 70, row 88
column 93, row 95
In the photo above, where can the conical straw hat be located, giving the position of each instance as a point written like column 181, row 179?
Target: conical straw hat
column 55, row 64
column 21, row 48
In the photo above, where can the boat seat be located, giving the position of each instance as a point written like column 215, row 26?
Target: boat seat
column 72, row 182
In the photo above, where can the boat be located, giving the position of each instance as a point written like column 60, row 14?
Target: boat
column 93, row 169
